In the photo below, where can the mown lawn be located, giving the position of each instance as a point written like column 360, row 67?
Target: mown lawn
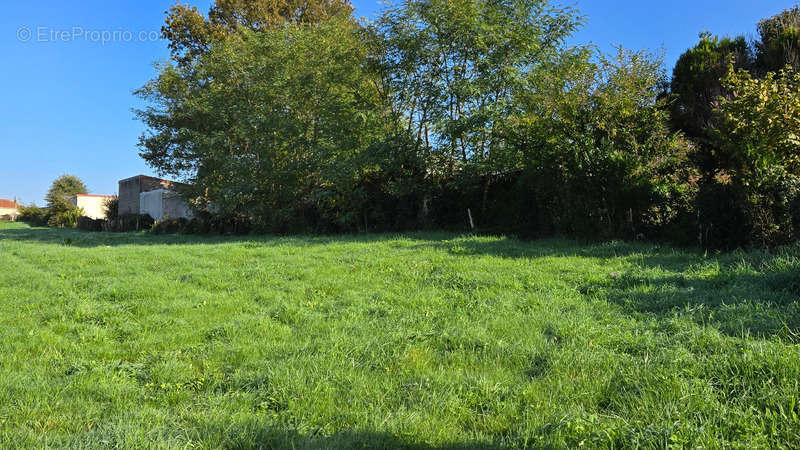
column 386, row 341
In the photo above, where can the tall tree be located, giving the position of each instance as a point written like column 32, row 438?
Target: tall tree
column 268, row 123
column 779, row 41
column 190, row 33
column 453, row 69
column 696, row 80
column 63, row 187
column 697, row 90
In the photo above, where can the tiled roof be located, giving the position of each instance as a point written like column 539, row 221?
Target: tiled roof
column 7, row 203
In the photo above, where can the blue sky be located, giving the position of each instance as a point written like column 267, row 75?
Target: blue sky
column 66, row 95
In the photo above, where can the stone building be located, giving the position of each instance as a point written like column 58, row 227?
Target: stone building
column 163, row 204
column 154, row 196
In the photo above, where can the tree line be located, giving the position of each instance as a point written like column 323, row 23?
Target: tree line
column 293, row 116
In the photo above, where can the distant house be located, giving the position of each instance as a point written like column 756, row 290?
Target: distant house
column 148, row 195
column 94, row 206
column 9, row 208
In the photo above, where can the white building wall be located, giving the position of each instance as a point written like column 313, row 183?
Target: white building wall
column 93, row 206
column 163, row 204
column 9, row 212
column 152, row 203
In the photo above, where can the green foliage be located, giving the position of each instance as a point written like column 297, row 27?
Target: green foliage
column 392, row 341
column 759, row 133
column 740, row 104
column 779, row 41
column 724, row 216
column 89, row 224
column 453, row 73
column 60, row 213
column 33, row 215
column 760, row 124
column 453, row 70
column 63, row 187
column 794, row 212
column 697, row 86
column 600, row 150
column 290, row 117
column 216, row 224
column 191, row 34
column 111, row 207
column 131, row 222
column 65, row 216
column 278, row 138
column 169, row 226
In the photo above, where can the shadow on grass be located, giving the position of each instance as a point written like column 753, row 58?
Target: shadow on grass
column 454, row 243
column 502, row 247
column 763, row 300
column 278, row 438
column 763, row 304
column 755, row 293
column 79, row 238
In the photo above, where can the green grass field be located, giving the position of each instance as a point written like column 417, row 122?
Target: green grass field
column 386, row 341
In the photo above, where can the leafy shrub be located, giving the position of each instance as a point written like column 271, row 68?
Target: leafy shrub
column 602, row 159
column 230, row 224
column 170, row 226
column 130, row 222
column 33, row 215
column 197, row 226
column 770, row 206
column 89, row 224
column 205, row 223
column 724, row 221
column 112, row 208
column 67, row 217
column 794, row 211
